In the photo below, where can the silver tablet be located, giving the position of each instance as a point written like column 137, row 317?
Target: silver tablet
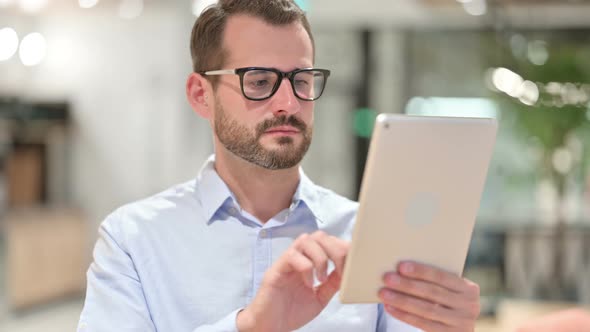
column 419, row 198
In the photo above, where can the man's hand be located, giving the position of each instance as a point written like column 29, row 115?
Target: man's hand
column 287, row 299
column 567, row 320
column 430, row 298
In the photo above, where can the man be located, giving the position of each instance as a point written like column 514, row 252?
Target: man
column 238, row 249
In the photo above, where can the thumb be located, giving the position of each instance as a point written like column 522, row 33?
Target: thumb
column 326, row 290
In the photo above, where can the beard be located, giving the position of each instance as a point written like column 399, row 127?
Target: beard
column 244, row 143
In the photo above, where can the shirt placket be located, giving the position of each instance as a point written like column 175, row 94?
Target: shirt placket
column 262, row 258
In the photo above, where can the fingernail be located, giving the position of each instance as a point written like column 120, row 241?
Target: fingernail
column 408, row 267
column 390, row 295
column 394, row 279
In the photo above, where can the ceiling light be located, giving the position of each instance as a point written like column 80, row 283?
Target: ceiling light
column 87, row 3
column 32, row 49
column 32, row 6
column 507, row 81
column 8, row 43
column 528, row 93
column 537, row 52
column 475, row 7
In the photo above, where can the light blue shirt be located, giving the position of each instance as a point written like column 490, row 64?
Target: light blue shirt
column 188, row 259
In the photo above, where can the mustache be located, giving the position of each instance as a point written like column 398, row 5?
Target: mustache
column 280, row 121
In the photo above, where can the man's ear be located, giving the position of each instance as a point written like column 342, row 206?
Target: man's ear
column 198, row 91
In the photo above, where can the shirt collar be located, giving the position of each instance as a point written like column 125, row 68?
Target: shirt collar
column 308, row 194
column 214, row 193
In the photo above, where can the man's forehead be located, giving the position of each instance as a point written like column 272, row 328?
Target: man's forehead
column 249, row 39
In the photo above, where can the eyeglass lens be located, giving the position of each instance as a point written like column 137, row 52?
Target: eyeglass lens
column 259, row 83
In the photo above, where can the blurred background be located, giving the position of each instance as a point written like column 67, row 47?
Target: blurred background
column 93, row 115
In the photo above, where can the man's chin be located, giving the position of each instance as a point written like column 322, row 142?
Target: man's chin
column 276, row 145
column 285, row 156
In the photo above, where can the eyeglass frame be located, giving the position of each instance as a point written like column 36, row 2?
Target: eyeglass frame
column 282, row 75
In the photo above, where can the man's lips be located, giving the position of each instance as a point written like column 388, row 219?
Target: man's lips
column 282, row 130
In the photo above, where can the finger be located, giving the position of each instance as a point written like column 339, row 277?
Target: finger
column 314, row 252
column 432, row 274
column 336, row 248
column 418, row 307
column 422, row 289
column 293, row 260
column 326, row 290
column 416, row 321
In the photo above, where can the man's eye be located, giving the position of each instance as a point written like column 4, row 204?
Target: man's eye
column 301, row 82
column 260, row 83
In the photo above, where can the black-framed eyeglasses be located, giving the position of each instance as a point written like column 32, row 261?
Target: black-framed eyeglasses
column 259, row 83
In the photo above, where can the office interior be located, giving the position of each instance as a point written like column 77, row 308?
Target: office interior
column 93, row 115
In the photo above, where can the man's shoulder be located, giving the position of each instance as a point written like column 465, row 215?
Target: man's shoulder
column 330, row 198
column 179, row 196
column 335, row 212
column 170, row 205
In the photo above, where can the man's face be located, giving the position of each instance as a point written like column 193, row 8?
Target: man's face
column 247, row 144
column 274, row 133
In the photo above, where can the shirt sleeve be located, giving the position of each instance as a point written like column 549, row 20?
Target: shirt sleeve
column 387, row 323
column 226, row 324
column 114, row 295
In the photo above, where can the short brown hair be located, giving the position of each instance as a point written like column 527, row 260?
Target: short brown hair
column 207, row 36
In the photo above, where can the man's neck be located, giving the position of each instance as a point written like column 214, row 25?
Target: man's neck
column 261, row 192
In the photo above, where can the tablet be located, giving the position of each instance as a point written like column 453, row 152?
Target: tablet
column 419, row 197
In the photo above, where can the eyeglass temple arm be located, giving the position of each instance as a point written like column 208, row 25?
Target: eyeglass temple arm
column 219, row 72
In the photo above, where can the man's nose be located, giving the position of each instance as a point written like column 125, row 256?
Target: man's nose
column 284, row 100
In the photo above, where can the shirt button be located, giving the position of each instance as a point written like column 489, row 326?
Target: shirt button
column 233, row 211
column 263, row 233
